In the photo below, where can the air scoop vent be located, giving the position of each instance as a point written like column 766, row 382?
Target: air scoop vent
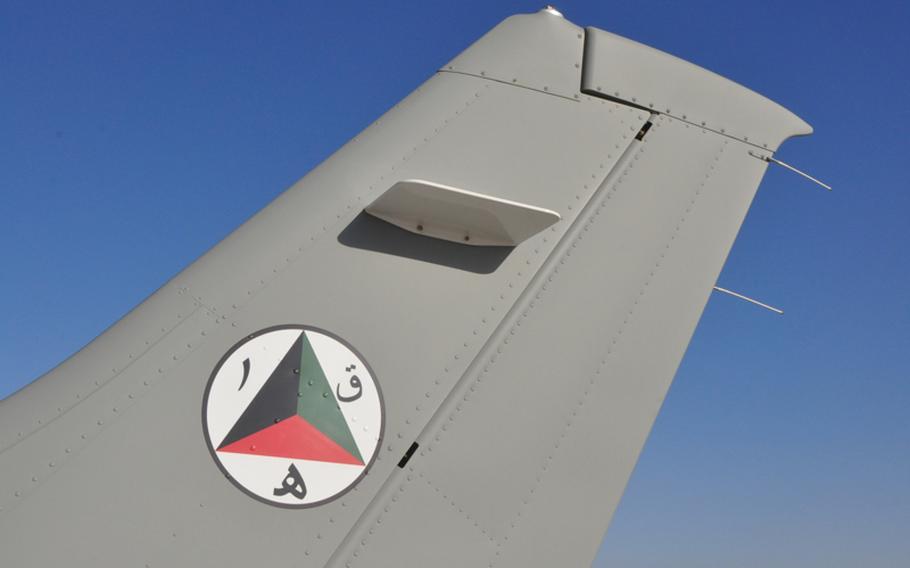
column 459, row 215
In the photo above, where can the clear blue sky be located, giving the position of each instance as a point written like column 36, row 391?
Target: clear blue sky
column 135, row 136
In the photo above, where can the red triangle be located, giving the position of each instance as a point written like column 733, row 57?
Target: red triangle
column 294, row 438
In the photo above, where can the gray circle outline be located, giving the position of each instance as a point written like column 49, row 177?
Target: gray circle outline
column 205, row 403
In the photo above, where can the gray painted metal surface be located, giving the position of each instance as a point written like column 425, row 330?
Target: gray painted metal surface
column 626, row 70
column 529, row 376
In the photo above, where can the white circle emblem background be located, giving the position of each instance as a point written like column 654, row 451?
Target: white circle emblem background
column 269, row 462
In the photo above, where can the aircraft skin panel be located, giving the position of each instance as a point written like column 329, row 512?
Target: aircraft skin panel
column 417, row 308
column 535, row 51
column 622, row 69
column 572, row 325
column 246, row 261
column 529, row 376
column 449, row 536
column 639, row 343
column 547, row 428
column 50, row 397
column 622, row 398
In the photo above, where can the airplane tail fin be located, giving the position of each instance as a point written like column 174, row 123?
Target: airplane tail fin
column 502, row 394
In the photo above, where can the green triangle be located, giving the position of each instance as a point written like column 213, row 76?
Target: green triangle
column 317, row 405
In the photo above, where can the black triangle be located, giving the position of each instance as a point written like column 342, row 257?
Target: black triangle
column 275, row 401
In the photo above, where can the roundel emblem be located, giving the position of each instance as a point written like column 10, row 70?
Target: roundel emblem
column 293, row 416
